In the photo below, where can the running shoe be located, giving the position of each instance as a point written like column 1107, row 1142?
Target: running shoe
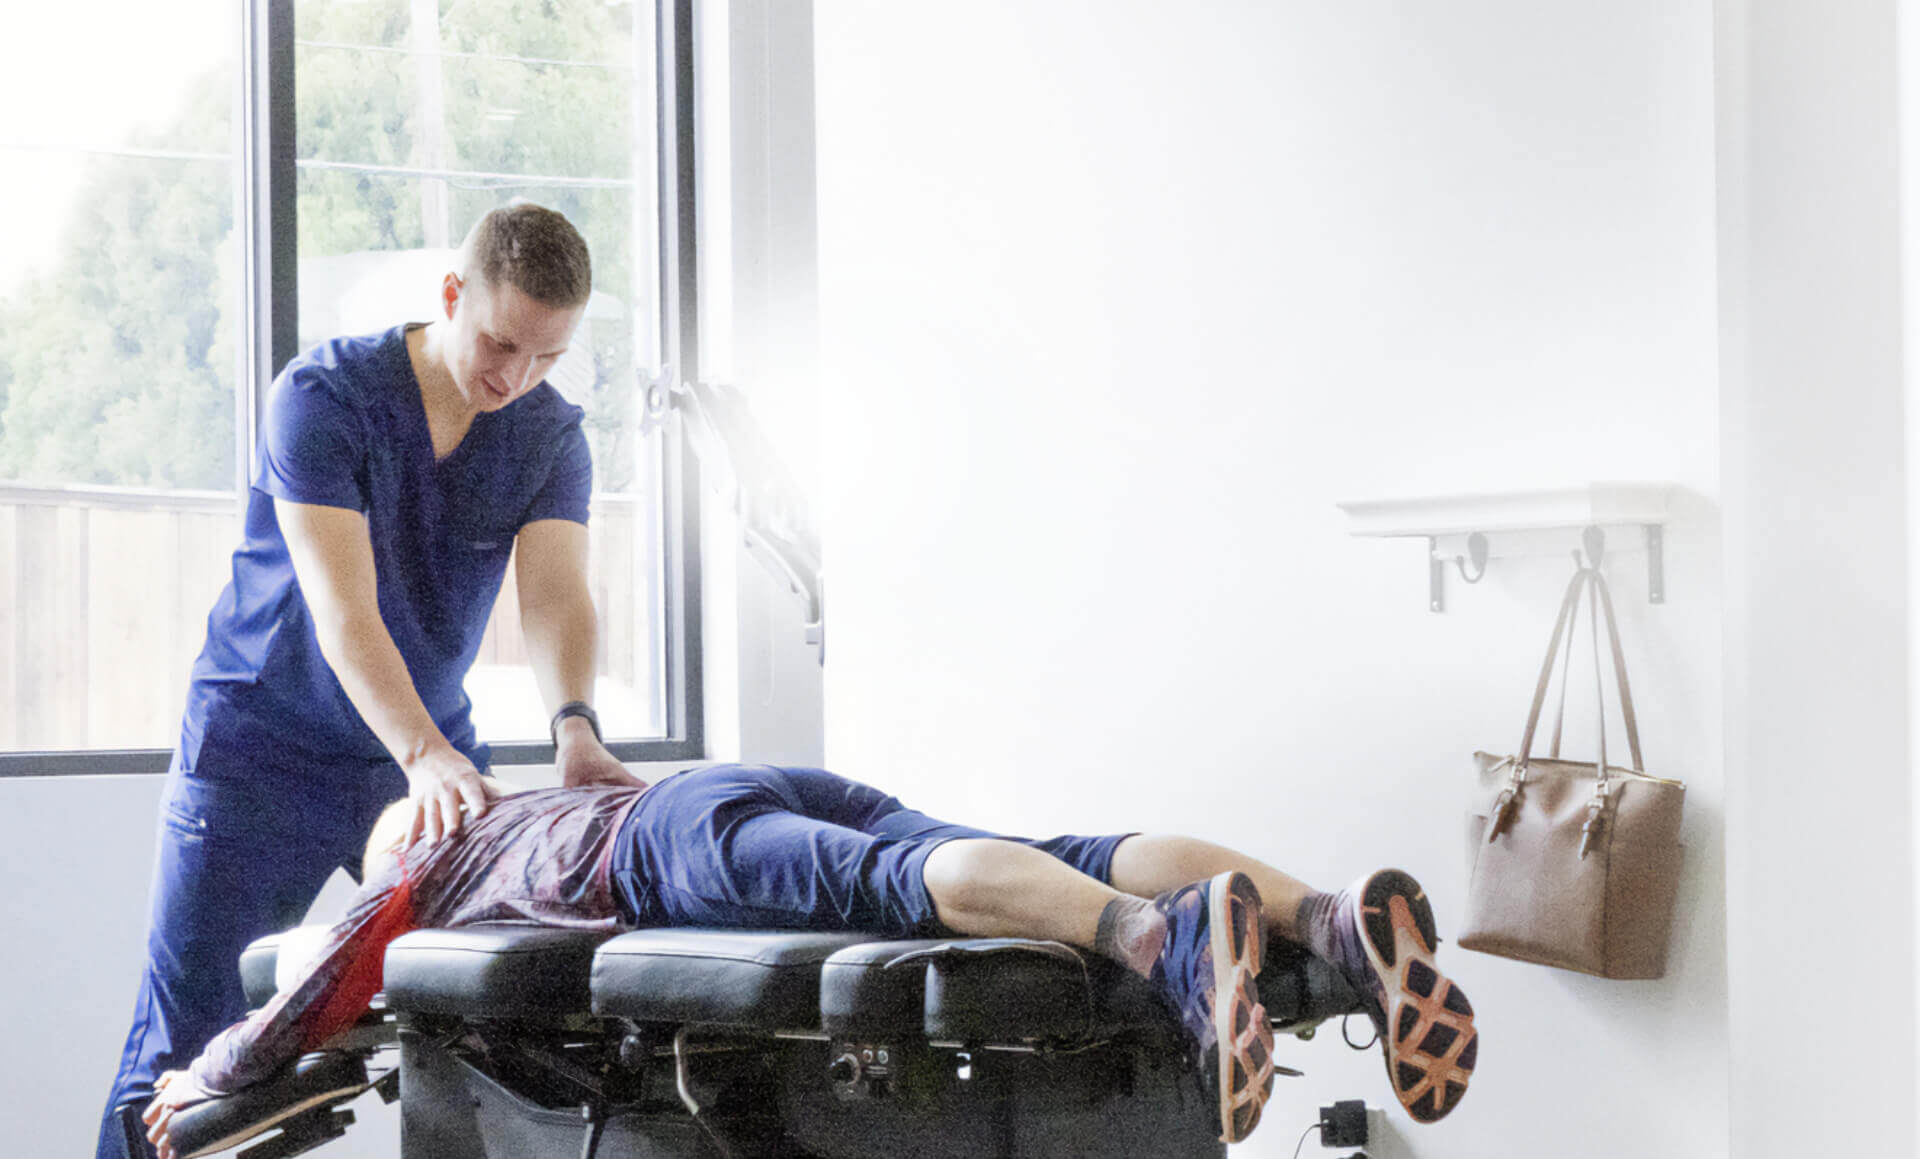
column 1205, row 972
column 1385, row 936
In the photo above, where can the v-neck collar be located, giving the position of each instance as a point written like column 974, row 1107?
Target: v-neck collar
column 424, row 425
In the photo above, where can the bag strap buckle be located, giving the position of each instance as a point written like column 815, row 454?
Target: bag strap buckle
column 1507, row 802
column 1596, row 820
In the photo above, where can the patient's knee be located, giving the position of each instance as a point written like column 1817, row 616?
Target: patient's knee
column 966, row 876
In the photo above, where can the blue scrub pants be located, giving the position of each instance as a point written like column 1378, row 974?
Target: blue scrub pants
column 247, row 837
column 761, row 847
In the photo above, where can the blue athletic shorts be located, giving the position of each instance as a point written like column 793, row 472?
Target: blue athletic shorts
column 761, row 847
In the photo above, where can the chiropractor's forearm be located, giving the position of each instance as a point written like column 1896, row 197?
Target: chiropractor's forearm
column 562, row 635
column 369, row 666
column 332, row 554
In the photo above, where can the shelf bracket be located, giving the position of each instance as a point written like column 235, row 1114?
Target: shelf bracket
column 1656, row 566
column 1593, row 540
column 1527, row 524
column 1436, row 577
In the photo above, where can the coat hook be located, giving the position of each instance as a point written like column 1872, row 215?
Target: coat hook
column 1477, row 549
column 1588, row 556
column 1595, row 541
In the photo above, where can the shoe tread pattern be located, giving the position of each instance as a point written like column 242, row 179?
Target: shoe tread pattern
column 1433, row 1045
column 1241, row 1023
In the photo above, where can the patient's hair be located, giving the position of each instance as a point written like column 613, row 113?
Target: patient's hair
column 534, row 250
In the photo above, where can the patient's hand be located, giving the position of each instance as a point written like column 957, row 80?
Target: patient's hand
column 174, row 1090
column 582, row 760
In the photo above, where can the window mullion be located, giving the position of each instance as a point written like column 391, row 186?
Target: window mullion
column 680, row 354
column 270, row 273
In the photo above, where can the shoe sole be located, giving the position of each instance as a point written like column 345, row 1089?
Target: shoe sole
column 1243, row 1039
column 1430, row 1042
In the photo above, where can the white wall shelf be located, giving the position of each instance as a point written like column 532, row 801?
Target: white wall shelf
column 1473, row 529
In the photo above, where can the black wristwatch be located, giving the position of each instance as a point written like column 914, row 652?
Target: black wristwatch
column 575, row 708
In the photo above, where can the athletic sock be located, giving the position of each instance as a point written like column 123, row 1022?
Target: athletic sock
column 1131, row 932
column 1324, row 924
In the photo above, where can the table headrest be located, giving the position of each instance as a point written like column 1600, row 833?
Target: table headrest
column 494, row 970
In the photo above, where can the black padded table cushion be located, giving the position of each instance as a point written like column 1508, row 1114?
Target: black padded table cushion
column 256, row 970
column 222, row 1123
column 953, row 989
column 768, row 979
column 502, row 970
column 864, row 994
column 1001, row 989
column 981, row 990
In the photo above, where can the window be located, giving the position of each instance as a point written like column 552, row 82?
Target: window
column 119, row 357
column 413, row 123
column 137, row 302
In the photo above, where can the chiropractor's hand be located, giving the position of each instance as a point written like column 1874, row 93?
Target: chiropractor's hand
column 581, row 759
column 174, row 1090
column 439, row 783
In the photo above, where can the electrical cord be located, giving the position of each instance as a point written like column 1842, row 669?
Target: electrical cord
column 1303, row 1137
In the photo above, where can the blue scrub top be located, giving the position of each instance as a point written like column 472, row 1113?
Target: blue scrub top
column 346, row 427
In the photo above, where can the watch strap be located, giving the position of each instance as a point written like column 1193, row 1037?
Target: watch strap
column 575, row 708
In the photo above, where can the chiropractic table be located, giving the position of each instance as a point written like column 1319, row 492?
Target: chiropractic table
column 536, row 1043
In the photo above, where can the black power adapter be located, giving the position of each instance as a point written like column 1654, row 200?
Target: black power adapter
column 1344, row 1124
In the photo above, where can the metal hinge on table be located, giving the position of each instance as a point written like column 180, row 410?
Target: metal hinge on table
column 735, row 456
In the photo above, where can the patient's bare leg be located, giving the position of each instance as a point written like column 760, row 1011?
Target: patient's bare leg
column 991, row 888
column 1003, row 889
column 1149, row 864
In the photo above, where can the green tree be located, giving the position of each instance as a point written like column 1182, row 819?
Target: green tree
column 120, row 358
column 116, row 366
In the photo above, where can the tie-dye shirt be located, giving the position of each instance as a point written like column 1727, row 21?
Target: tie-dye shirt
column 540, row 856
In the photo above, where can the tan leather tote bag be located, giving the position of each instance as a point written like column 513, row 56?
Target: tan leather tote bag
column 1574, row 865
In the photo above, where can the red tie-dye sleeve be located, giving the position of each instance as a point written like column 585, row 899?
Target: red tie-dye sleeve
column 328, row 997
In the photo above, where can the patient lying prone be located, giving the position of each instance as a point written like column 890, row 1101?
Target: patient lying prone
column 762, row 847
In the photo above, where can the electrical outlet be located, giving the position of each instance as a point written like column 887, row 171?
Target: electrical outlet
column 1344, row 1124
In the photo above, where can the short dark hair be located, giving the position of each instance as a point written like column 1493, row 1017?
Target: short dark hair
column 534, row 250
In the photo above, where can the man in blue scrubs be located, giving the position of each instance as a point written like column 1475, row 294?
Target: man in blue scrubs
column 395, row 475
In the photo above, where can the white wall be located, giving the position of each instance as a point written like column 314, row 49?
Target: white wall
column 1118, row 299
column 1820, row 830
column 1909, row 111
column 74, row 921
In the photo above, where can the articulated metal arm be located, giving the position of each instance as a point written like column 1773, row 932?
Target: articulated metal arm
column 735, row 456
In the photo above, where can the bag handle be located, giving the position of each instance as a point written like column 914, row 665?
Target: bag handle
column 1504, row 804
column 1561, row 626
column 1600, row 597
column 1619, row 670
column 1566, row 681
column 1599, row 682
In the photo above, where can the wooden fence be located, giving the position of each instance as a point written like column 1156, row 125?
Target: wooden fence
column 104, row 595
